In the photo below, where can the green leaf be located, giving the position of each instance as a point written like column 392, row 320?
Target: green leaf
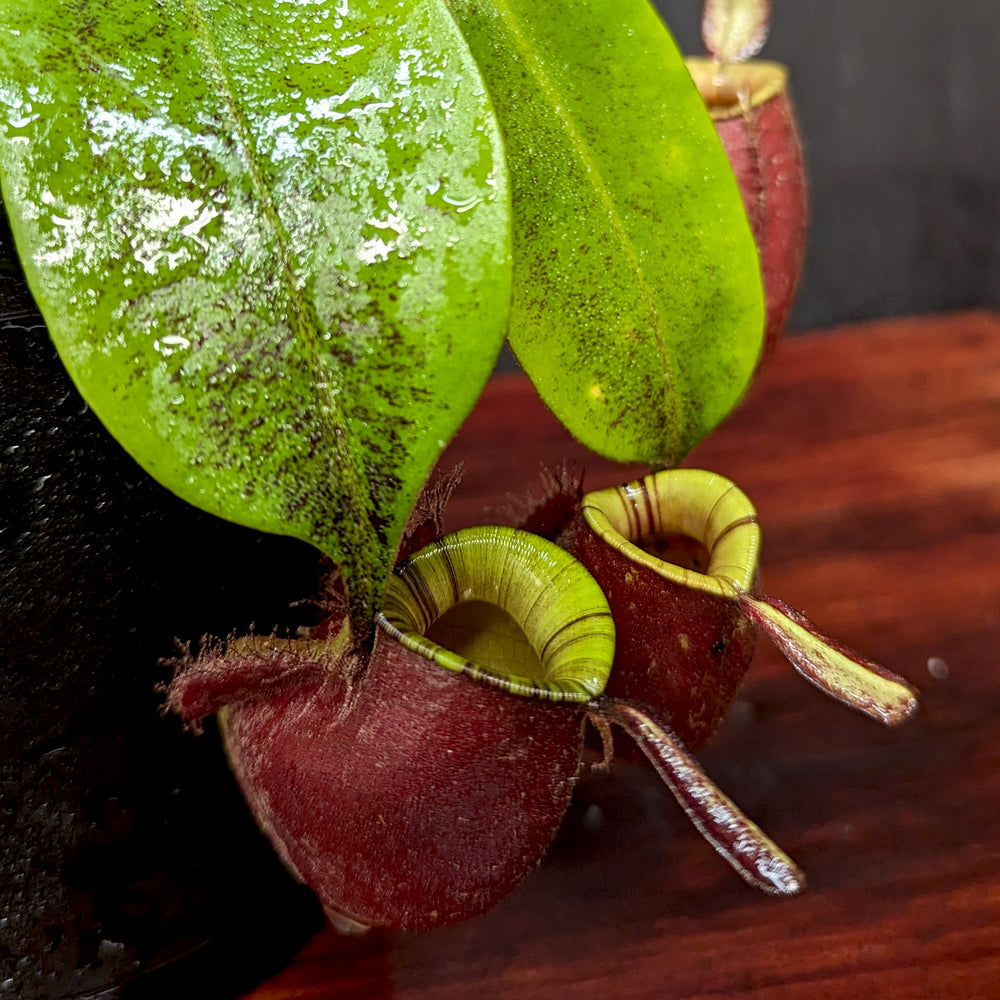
column 637, row 306
column 271, row 242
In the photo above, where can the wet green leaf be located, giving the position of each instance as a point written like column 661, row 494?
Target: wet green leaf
column 271, row 242
column 637, row 306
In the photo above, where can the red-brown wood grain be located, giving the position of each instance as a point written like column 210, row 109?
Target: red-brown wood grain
column 873, row 456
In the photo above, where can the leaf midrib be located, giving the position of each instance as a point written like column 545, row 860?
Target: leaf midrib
column 549, row 88
column 353, row 486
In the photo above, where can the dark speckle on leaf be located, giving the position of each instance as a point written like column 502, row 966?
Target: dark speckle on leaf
column 273, row 287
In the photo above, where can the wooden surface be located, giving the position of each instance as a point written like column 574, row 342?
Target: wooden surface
column 873, row 456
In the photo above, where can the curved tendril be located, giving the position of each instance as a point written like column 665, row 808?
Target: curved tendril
column 749, row 851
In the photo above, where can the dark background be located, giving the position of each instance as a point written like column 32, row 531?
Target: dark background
column 897, row 111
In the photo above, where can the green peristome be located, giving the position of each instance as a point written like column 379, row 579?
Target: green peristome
column 531, row 619
column 637, row 305
column 271, row 242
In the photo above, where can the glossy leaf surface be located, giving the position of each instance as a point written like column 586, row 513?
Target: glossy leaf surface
column 271, row 242
column 637, row 307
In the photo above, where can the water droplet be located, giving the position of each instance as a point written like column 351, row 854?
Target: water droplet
column 463, row 204
column 593, row 818
column 170, row 344
column 110, row 949
column 937, row 668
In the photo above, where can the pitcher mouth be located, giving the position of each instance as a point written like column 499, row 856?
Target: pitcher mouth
column 730, row 90
column 700, row 505
column 507, row 578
